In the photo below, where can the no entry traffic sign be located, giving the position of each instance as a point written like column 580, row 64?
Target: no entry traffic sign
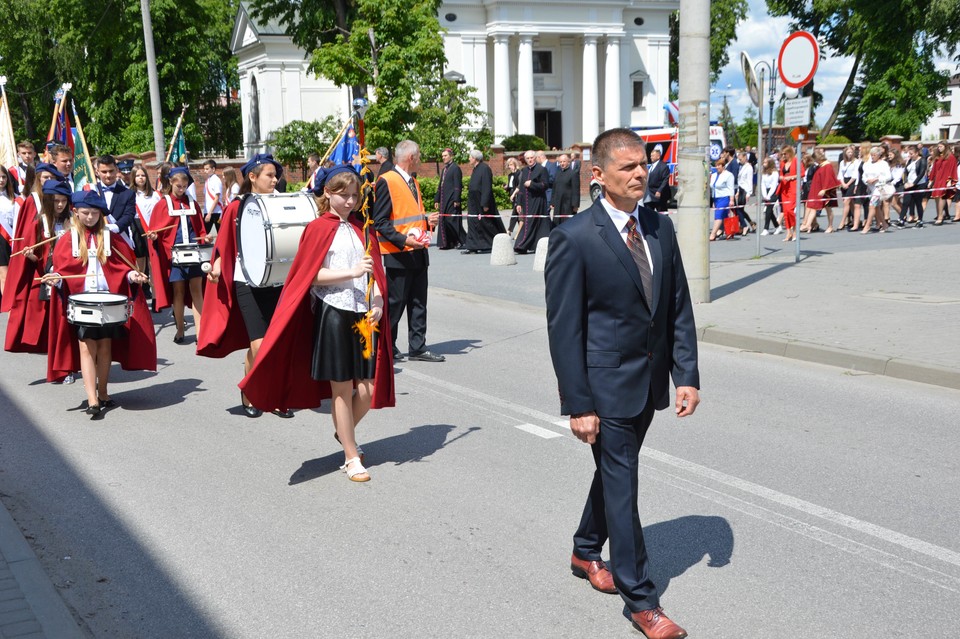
column 798, row 59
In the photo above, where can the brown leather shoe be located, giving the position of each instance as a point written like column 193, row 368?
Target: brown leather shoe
column 656, row 625
column 596, row 572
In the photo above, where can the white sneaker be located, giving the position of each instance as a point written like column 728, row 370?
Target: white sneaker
column 765, row 232
column 778, row 231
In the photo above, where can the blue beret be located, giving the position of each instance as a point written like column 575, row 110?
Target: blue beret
column 51, row 169
column 322, row 175
column 56, row 187
column 180, row 170
column 257, row 160
column 88, row 200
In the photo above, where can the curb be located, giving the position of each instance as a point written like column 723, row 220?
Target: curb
column 896, row 367
column 39, row 609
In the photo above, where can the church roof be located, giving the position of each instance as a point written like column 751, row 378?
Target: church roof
column 270, row 26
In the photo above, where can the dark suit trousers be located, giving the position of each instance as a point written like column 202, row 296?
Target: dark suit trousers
column 611, row 511
column 407, row 290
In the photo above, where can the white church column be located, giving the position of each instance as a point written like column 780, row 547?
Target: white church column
column 591, row 99
column 567, row 102
column 475, row 71
column 525, row 119
column 612, row 84
column 658, row 52
column 502, row 119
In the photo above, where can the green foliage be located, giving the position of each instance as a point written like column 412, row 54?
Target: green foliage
column 295, row 187
column 293, row 142
column 442, row 111
column 500, row 192
column 902, row 98
column 833, row 138
column 520, row 142
column 725, row 15
column 747, row 130
column 98, row 47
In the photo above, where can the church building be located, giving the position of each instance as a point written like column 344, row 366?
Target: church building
column 562, row 70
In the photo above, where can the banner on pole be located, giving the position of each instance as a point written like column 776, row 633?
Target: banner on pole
column 8, row 142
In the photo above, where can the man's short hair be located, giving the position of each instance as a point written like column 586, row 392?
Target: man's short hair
column 106, row 160
column 383, row 152
column 611, row 140
column 405, row 149
column 211, row 163
column 57, row 150
column 476, row 154
column 315, row 157
column 26, row 144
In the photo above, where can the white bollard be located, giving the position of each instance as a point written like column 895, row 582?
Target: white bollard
column 540, row 259
column 502, row 252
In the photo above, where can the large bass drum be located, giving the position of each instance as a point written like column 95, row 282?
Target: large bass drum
column 269, row 228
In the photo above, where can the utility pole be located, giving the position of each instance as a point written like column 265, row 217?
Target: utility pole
column 693, row 210
column 153, row 80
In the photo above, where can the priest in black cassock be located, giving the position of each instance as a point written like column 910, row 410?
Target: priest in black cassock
column 531, row 205
column 483, row 218
column 566, row 191
column 448, row 202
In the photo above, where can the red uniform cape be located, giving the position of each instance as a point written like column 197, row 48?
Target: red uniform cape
column 222, row 329
column 280, row 377
column 161, row 249
column 944, row 170
column 27, row 323
column 137, row 351
column 824, row 179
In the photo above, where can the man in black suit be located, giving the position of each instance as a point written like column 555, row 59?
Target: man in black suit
column 551, row 168
column 620, row 324
column 401, row 224
column 448, row 201
column 383, row 157
column 658, row 183
column 566, row 191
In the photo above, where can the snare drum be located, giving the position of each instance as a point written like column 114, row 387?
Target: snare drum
column 268, row 235
column 186, row 254
column 98, row 309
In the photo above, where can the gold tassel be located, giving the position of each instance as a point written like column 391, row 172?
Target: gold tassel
column 366, row 329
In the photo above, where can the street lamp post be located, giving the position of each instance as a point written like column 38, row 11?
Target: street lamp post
column 773, row 96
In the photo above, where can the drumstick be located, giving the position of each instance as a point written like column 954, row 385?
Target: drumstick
column 69, row 277
column 46, row 241
column 164, row 228
column 127, row 262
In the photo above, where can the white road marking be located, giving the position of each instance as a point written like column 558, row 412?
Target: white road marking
column 538, row 431
column 852, row 523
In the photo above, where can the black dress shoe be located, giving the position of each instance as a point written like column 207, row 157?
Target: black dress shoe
column 426, row 356
column 283, row 414
column 107, row 403
column 93, row 411
column 178, row 339
column 249, row 410
column 466, row 252
column 398, row 357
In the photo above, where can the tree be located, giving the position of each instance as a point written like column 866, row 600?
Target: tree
column 747, row 130
column 725, row 15
column 726, row 121
column 79, row 41
column 440, row 113
column 296, row 140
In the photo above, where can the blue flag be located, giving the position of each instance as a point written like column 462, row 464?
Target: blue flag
column 347, row 150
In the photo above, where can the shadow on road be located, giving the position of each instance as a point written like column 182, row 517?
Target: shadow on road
column 678, row 544
column 456, row 346
column 412, row 446
column 157, row 396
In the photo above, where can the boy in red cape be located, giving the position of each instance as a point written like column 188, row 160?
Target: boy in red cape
column 133, row 345
column 285, row 373
column 27, row 323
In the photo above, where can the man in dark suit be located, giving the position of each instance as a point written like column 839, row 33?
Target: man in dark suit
column 566, row 191
column 401, row 224
column 620, row 324
column 384, row 158
column 658, row 182
column 483, row 219
column 448, row 201
column 121, row 201
column 551, row 168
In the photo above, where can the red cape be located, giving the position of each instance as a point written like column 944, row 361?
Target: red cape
column 280, row 377
column 944, row 169
column 27, row 323
column 135, row 352
column 824, row 179
column 222, row 329
column 161, row 249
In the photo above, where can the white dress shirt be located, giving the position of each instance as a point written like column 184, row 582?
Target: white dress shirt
column 620, row 219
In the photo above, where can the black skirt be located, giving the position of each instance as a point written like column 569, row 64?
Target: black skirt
column 4, row 252
column 337, row 348
column 257, row 305
column 117, row 331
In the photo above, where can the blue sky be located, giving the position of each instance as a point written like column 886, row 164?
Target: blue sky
column 761, row 35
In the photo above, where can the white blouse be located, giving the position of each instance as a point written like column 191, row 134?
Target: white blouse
column 849, row 170
column 879, row 170
column 768, row 184
column 8, row 214
column 722, row 184
column 345, row 252
column 145, row 204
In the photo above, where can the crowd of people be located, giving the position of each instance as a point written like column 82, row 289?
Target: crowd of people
column 869, row 182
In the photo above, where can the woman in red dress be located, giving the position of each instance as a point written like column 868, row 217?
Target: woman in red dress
column 823, row 191
column 789, row 172
column 942, row 177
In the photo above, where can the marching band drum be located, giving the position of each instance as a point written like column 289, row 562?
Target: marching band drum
column 269, row 228
column 98, row 309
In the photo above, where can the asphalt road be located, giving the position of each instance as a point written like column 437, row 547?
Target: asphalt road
column 800, row 500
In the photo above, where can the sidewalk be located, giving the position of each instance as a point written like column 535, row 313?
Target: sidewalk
column 30, row 606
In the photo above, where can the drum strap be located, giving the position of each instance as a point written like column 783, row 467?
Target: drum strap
column 184, row 220
column 75, row 242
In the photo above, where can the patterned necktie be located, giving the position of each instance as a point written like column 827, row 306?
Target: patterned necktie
column 635, row 244
column 413, row 189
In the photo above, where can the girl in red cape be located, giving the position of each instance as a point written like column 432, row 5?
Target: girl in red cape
column 312, row 350
column 27, row 323
column 171, row 281
column 236, row 313
column 89, row 249
column 823, row 192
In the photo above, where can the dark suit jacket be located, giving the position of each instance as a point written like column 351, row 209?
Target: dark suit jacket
column 552, row 169
column 123, row 205
column 613, row 353
column 659, row 180
column 382, row 209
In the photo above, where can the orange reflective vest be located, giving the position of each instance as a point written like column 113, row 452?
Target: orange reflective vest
column 407, row 213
